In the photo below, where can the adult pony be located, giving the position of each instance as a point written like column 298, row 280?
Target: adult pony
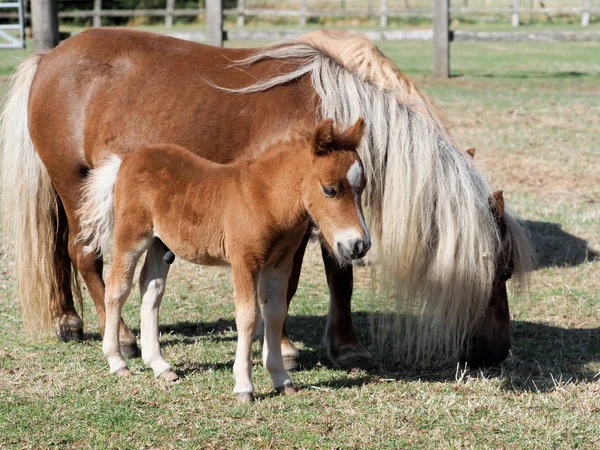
column 111, row 90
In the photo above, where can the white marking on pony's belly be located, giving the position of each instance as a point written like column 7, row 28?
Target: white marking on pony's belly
column 355, row 175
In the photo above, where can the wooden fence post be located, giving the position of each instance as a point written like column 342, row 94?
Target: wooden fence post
column 441, row 39
column 241, row 18
column 44, row 24
column 585, row 15
column 169, row 13
column 97, row 21
column 516, row 4
column 303, row 10
column 214, row 22
column 383, row 18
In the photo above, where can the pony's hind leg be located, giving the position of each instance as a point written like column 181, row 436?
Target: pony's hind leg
column 118, row 287
column 152, row 287
column 272, row 288
column 67, row 324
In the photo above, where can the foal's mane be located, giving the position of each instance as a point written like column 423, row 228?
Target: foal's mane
column 429, row 211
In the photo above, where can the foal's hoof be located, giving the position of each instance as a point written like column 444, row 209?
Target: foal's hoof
column 69, row 327
column 169, row 375
column 124, row 372
column 130, row 350
column 245, row 397
column 288, row 389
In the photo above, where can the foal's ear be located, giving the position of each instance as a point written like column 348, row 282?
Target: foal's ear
column 497, row 203
column 322, row 137
column 352, row 136
column 471, row 152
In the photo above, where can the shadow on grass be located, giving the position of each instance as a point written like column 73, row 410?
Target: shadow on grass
column 555, row 247
column 542, row 355
column 538, row 75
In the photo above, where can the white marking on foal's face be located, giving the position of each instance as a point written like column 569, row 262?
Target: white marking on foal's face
column 355, row 176
column 349, row 236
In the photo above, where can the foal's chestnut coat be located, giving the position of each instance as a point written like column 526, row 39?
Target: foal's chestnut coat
column 251, row 214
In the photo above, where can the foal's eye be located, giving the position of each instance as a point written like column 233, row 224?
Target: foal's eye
column 329, row 191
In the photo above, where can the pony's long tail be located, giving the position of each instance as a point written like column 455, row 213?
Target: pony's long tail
column 30, row 206
column 97, row 211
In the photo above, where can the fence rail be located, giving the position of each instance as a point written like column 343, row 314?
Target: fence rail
column 169, row 12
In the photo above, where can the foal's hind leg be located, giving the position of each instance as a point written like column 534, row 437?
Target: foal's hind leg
column 118, row 287
column 90, row 268
column 152, row 287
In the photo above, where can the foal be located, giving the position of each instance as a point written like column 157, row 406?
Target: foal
column 250, row 214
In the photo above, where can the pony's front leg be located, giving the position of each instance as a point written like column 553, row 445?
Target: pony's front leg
column 343, row 347
column 118, row 287
column 247, row 317
column 153, row 278
column 272, row 288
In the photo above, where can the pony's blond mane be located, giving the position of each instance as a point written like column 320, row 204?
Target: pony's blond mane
column 357, row 54
column 429, row 207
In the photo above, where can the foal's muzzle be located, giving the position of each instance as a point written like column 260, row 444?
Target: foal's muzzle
column 356, row 249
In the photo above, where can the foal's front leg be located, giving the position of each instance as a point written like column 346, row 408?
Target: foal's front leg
column 272, row 288
column 247, row 317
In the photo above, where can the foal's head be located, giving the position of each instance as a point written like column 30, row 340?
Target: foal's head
column 333, row 190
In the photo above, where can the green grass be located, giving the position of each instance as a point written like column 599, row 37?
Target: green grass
column 532, row 111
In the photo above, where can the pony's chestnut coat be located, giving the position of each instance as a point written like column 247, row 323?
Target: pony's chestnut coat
column 110, row 91
column 251, row 214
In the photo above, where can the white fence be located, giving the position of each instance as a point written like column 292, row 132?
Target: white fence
column 383, row 10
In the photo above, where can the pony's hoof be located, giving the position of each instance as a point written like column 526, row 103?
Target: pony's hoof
column 244, row 397
column 290, row 363
column 355, row 358
column 69, row 327
column 130, row 351
column 124, row 372
column 288, row 389
column 290, row 355
column 169, row 376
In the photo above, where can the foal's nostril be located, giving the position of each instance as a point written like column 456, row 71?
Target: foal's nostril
column 358, row 249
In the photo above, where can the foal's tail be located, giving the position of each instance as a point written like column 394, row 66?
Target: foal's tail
column 29, row 205
column 97, row 212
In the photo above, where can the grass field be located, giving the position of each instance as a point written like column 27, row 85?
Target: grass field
column 533, row 113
